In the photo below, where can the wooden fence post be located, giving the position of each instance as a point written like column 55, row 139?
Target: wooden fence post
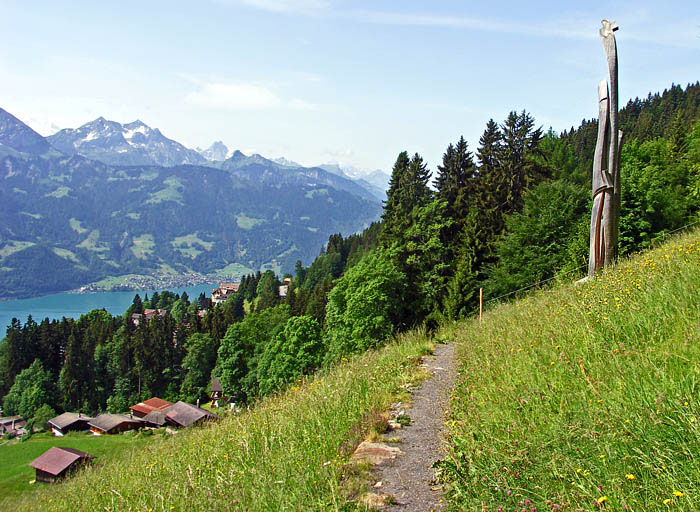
column 481, row 303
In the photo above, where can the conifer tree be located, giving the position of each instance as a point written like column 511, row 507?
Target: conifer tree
column 408, row 189
column 455, row 184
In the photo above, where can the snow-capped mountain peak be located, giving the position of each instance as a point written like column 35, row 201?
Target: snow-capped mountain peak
column 133, row 143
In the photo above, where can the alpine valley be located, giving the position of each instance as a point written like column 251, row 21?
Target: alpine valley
column 88, row 205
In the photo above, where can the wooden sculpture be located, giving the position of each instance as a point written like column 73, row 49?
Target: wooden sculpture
column 605, row 215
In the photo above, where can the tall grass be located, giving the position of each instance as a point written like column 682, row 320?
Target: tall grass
column 584, row 397
column 286, row 453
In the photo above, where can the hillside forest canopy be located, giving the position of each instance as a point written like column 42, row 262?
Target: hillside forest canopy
column 512, row 212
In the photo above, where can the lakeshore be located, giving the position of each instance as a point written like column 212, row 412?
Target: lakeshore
column 72, row 305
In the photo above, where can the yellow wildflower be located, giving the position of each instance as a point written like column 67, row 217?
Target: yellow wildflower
column 602, row 499
column 677, row 494
column 629, row 477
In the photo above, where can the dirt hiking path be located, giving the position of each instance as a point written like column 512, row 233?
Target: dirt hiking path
column 409, row 478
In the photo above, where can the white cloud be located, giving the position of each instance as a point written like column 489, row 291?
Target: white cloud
column 242, row 96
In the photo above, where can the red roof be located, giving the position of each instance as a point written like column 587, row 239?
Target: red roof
column 152, row 404
column 55, row 460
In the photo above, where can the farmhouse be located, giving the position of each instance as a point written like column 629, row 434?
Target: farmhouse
column 69, row 421
column 223, row 292
column 55, row 463
column 137, row 318
column 113, row 424
column 152, row 404
column 183, row 414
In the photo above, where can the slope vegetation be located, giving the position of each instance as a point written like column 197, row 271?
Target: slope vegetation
column 586, row 396
column 286, row 453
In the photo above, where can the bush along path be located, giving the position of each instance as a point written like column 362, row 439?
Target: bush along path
column 405, row 480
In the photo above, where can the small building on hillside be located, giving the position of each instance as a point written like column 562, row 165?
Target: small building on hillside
column 152, row 404
column 56, row 463
column 113, row 424
column 137, row 318
column 223, row 292
column 183, row 414
column 13, row 425
column 216, row 393
column 69, row 421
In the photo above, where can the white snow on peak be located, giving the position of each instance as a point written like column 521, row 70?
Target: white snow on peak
column 90, row 136
column 128, row 133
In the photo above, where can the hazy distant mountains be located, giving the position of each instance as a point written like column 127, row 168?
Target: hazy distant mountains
column 123, row 144
column 138, row 144
column 216, row 152
column 108, row 199
column 17, row 138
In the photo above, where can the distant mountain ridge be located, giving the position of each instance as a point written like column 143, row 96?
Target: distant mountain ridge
column 70, row 217
column 136, row 143
column 130, row 144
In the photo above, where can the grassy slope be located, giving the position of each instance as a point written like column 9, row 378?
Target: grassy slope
column 584, row 397
column 287, row 453
column 15, row 474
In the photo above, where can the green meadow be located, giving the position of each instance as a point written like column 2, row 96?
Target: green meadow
column 288, row 452
column 584, row 397
column 15, row 474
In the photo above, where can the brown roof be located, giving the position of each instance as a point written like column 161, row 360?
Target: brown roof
column 229, row 286
column 155, row 418
column 152, row 404
column 107, row 422
column 216, row 385
column 55, row 459
column 67, row 419
column 184, row 414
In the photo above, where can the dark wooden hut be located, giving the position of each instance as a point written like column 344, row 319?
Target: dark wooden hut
column 69, row 421
column 56, row 463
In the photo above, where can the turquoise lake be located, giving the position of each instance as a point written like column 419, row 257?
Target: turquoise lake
column 72, row 305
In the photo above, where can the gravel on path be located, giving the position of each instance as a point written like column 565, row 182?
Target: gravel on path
column 409, row 478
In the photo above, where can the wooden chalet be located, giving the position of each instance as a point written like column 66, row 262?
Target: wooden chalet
column 56, row 463
column 183, row 414
column 113, row 424
column 69, row 421
column 152, row 404
column 13, row 425
column 216, row 393
column 223, row 292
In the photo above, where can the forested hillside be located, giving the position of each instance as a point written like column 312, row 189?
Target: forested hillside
column 509, row 214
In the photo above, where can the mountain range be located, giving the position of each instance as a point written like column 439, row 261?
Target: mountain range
column 108, row 199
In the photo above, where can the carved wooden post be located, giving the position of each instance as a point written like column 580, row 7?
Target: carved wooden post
column 605, row 215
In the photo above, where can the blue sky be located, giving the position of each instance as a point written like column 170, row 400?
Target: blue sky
column 332, row 80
